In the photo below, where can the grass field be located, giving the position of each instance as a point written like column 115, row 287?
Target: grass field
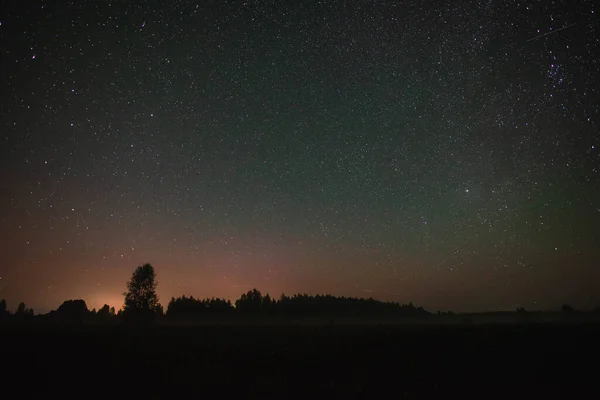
column 310, row 361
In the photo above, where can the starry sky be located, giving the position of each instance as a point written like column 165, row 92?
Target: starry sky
column 445, row 153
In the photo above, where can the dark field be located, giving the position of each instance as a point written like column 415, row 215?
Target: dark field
column 410, row 361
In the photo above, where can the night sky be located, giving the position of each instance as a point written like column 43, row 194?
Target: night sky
column 445, row 153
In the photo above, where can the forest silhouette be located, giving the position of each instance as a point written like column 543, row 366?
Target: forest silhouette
column 141, row 304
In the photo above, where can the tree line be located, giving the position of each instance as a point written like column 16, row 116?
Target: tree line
column 142, row 303
column 300, row 305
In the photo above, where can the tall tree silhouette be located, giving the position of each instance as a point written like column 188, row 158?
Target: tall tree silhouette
column 141, row 299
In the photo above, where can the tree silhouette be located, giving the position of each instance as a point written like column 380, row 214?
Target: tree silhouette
column 190, row 307
column 23, row 311
column 73, row 310
column 105, row 311
column 141, row 300
column 251, row 302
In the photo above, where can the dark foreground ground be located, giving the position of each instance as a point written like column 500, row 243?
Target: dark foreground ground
column 535, row 361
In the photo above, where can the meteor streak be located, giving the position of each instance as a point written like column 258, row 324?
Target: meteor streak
column 550, row 33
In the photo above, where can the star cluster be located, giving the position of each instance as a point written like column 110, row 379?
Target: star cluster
column 435, row 152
